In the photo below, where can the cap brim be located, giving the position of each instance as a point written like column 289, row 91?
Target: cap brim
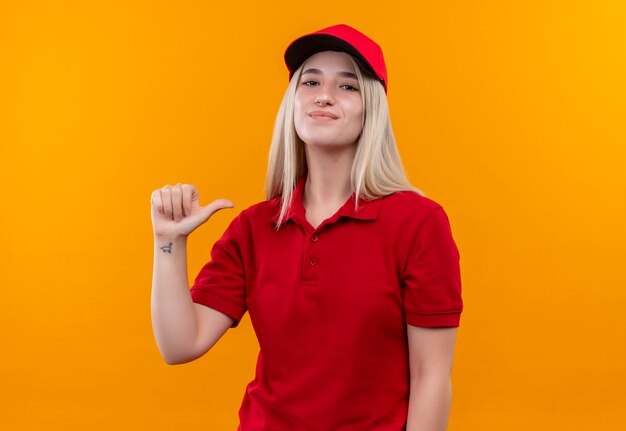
column 301, row 49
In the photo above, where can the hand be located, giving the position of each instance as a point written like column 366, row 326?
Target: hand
column 176, row 210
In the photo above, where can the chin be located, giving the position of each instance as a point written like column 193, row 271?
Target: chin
column 318, row 140
column 328, row 145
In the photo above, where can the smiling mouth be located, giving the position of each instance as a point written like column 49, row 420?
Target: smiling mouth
column 322, row 117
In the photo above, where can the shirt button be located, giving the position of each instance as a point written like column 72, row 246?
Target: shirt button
column 313, row 261
column 314, row 238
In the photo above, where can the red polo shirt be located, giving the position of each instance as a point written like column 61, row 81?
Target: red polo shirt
column 330, row 306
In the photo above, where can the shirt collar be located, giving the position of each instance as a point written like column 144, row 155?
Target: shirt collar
column 368, row 209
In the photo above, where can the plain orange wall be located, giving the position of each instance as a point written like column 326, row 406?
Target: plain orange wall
column 509, row 114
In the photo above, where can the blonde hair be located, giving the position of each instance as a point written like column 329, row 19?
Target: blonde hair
column 377, row 169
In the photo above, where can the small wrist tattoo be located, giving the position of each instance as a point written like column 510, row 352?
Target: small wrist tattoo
column 167, row 248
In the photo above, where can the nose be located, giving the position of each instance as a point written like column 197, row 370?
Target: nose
column 324, row 97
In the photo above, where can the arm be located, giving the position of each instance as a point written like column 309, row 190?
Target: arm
column 183, row 330
column 431, row 352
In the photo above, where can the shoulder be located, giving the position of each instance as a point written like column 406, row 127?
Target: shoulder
column 247, row 220
column 259, row 212
column 408, row 208
column 416, row 222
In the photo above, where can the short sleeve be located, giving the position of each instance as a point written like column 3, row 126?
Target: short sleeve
column 432, row 281
column 220, row 284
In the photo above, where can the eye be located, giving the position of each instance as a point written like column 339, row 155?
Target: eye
column 309, row 82
column 350, row 87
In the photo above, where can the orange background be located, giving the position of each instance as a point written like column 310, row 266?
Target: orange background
column 509, row 114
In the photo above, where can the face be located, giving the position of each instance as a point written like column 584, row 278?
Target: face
column 328, row 110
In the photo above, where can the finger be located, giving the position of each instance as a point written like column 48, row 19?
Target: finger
column 187, row 193
column 156, row 201
column 195, row 197
column 217, row 205
column 166, row 196
column 177, row 206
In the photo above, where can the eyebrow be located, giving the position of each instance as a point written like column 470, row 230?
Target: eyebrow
column 319, row 72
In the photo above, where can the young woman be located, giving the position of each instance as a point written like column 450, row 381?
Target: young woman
column 350, row 274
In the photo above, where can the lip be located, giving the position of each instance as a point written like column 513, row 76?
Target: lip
column 323, row 114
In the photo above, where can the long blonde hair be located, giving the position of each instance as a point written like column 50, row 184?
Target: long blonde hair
column 377, row 169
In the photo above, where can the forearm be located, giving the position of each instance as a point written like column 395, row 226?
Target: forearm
column 173, row 315
column 429, row 403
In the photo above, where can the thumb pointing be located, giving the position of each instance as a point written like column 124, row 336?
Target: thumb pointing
column 215, row 206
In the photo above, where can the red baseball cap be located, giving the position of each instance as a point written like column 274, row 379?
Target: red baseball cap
column 342, row 38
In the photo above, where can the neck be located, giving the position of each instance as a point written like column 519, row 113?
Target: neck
column 328, row 179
